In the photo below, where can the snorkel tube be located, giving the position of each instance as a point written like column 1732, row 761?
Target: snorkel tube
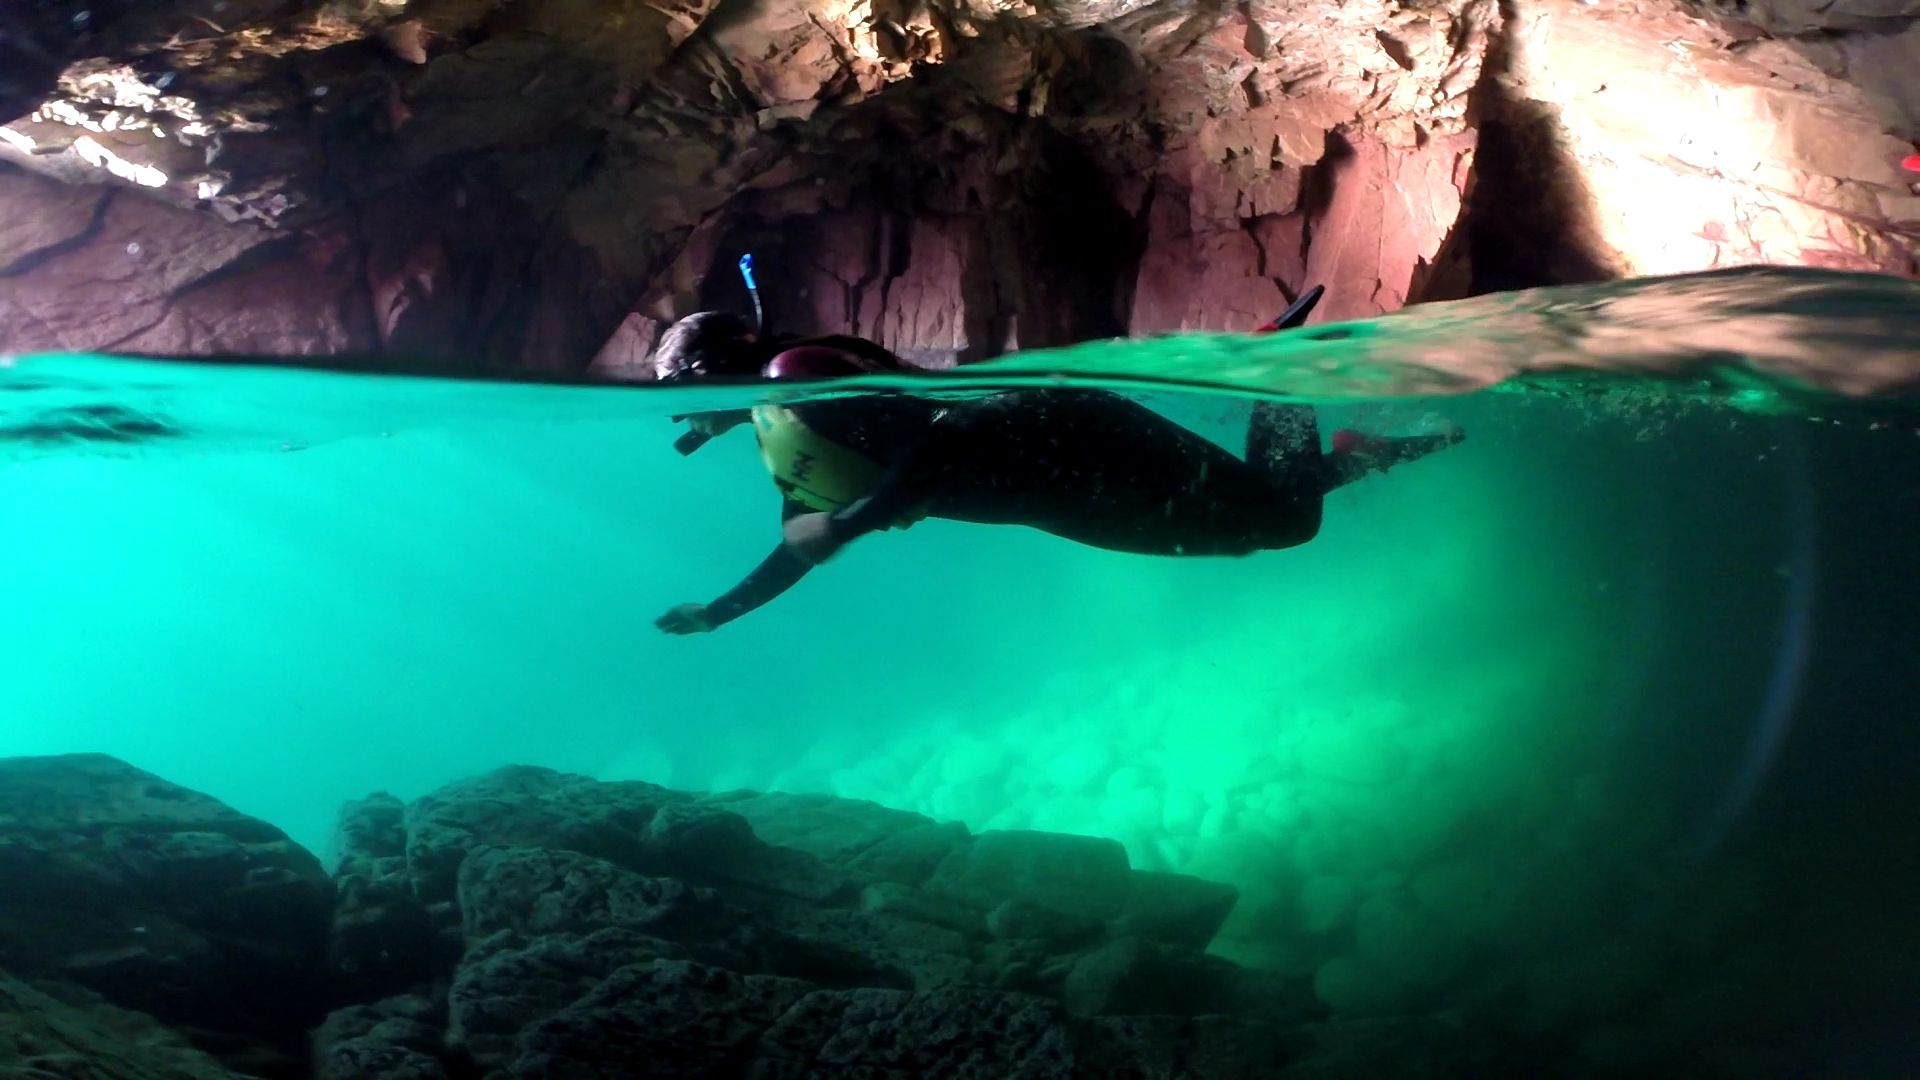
column 1294, row 317
column 690, row 441
column 753, row 290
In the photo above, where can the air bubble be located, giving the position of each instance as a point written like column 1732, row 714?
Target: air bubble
column 133, row 248
column 319, row 91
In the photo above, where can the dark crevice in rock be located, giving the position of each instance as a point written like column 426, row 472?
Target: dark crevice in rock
column 27, row 262
column 1530, row 215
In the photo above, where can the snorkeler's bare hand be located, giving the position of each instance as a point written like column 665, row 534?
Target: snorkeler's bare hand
column 686, row 619
column 810, row 536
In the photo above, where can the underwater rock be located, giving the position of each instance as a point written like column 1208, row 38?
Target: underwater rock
column 704, row 843
column 382, row 940
column 667, row 1017
column 1440, row 1046
column 910, row 857
column 620, row 928
column 951, row 1032
column 901, row 901
column 1130, row 976
column 838, row 947
column 1175, row 908
column 401, row 1038
column 506, row 984
column 1023, row 920
column 693, row 903
column 1200, row 1048
column 527, row 806
column 633, row 825
column 836, row 830
column 162, row 900
column 79, row 1036
column 1074, row 875
column 530, row 892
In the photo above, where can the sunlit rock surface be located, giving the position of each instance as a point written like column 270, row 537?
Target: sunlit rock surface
column 537, row 185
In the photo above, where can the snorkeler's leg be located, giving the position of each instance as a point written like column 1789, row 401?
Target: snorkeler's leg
column 1284, row 441
column 1356, row 453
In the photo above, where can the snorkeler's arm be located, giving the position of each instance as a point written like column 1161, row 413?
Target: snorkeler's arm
column 704, row 427
column 776, row 574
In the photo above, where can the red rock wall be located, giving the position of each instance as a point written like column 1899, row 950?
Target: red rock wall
column 539, row 185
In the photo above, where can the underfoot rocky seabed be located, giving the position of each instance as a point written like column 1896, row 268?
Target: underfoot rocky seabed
column 532, row 923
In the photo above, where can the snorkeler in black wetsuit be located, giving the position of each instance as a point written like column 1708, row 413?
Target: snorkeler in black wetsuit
column 1086, row 465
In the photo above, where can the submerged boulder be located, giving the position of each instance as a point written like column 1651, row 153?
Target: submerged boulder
column 633, row 825
column 46, row 1037
column 382, row 939
column 533, row 891
column 1132, row 977
column 526, row 806
column 1176, row 908
column 1073, row 875
column 909, row 857
column 830, row 828
column 608, row 928
column 396, row 1039
column 534, row 923
column 162, row 900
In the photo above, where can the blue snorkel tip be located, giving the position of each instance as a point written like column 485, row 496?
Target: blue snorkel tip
column 746, row 275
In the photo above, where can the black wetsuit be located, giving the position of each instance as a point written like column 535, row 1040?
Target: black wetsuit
column 1085, row 465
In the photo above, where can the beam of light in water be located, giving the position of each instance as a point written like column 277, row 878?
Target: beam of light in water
column 1779, row 707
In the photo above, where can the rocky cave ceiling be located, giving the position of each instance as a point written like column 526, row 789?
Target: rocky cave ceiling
column 541, row 184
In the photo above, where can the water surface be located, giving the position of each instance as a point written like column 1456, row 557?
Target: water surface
column 1602, row 722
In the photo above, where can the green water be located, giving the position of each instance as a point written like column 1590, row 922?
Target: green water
column 1601, row 723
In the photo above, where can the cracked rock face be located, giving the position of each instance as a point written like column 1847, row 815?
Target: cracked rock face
column 545, row 185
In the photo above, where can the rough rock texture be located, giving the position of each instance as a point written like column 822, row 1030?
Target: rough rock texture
column 623, row 926
column 71, row 1035
column 381, row 939
column 562, row 927
column 544, row 185
column 538, row 184
column 1662, row 142
column 396, row 1039
column 1073, row 875
column 161, row 900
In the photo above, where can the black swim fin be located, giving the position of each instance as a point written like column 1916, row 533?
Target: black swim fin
column 1296, row 313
